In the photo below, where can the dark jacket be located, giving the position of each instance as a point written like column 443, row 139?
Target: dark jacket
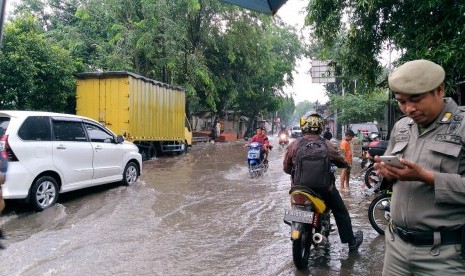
column 290, row 157
column 327, row 135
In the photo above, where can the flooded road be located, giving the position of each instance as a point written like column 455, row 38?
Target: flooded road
column 194, row 214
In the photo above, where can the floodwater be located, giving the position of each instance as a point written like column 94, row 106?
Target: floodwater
column 193, row 214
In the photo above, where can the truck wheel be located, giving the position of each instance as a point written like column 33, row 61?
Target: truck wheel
column 152, row 152
column 130, row 174
column 44, row 193
column 157, row 149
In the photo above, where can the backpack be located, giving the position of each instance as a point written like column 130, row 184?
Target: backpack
column 313, row 167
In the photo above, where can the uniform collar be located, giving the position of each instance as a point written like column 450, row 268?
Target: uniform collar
column 449, row 110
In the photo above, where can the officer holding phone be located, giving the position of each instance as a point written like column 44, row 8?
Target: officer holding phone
column 426, row 234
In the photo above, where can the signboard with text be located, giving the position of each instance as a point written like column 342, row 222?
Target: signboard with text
column 322, row 72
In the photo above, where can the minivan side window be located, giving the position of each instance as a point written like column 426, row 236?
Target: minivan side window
column 98, row 134
column 69, row 131
column 35, row 128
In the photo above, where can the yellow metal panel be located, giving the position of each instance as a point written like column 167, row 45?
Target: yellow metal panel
column 114, row 108
column 143, row 109
column 87, row 98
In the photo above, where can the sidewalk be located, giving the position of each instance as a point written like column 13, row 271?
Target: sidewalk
column 203, row 135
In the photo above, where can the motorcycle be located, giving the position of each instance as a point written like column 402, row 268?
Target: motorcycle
column 254, row 161
column 370, row 178
column 379, row 211
column 283, row 140
column 309, row 218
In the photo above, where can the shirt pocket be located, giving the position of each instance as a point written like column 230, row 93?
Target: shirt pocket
column 444, row 156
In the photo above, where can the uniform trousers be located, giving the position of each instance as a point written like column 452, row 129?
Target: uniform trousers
column 402, row 258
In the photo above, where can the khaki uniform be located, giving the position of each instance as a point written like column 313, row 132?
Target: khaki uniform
column 417, row 206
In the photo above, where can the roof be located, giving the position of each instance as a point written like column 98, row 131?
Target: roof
column 124, row 74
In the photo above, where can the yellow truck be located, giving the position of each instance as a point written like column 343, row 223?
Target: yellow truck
column 147, row 112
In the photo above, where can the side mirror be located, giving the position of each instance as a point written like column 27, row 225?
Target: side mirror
column 119, row 139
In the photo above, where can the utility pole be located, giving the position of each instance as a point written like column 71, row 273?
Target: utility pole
column 2, row 19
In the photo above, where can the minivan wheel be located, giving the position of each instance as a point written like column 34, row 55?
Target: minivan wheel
column 130, row 174
column 44, row 193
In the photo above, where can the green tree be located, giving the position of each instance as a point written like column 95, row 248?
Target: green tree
column 226, row 59
column 430, row 29
column 286, row 110
column 35, row 74
column 353, row 108
column 301, row 109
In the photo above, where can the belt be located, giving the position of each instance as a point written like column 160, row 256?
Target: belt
column 427, row 237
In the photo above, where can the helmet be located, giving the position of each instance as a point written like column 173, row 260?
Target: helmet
column 373, row 136
column 312, row 123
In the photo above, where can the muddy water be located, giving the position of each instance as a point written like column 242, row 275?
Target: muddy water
column 194, row 214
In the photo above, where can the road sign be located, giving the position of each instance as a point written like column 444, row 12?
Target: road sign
column 322, row 72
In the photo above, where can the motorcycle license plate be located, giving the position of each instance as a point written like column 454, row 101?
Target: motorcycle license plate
column 254, row 155
column 298, row 216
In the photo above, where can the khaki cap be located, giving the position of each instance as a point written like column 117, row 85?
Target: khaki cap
column 416, row 77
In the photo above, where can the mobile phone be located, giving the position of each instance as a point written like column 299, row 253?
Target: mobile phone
column 393, row 161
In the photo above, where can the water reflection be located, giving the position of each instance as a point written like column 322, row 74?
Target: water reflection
column 198, row 213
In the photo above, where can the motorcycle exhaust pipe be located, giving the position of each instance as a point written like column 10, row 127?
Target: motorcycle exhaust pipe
column 319, row 239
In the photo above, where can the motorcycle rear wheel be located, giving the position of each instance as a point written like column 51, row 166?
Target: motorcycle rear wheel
column 379, row 212
column 301, row 249
column 370, row 177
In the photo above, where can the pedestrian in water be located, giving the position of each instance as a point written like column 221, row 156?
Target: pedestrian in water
column 346, row 151
column 426, row 235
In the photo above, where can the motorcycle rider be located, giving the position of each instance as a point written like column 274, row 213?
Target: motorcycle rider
column 312, row 126
column 283, row 135
column 261, row 138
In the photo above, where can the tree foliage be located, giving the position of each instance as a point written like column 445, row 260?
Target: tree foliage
column 301, row 109
column 35, row 74
column 227, row 58
column 362, row 30
column 353, row 108
column 286, row 110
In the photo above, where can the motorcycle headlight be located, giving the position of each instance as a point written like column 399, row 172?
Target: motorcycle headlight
column 283, row 136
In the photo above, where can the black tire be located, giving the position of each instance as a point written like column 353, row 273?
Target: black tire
column 253, row 171
column 130, row 174
column 301, row 249
column 152, row 151
column 44, row 193
column 369, row 181
column 379, row 212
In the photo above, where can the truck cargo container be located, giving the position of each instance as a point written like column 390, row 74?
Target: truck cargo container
column 147, row 112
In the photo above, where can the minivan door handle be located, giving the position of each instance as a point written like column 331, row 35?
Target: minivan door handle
column 98, row 148
column 61, row 147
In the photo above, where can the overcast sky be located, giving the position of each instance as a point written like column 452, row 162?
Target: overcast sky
column 303, row 89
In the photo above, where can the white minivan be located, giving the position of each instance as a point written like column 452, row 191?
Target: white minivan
column 51, row 153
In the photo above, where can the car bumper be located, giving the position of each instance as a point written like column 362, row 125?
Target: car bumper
column 17, row 183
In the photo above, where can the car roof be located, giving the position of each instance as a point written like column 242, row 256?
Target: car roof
column 371, row 127
column 26, row 113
